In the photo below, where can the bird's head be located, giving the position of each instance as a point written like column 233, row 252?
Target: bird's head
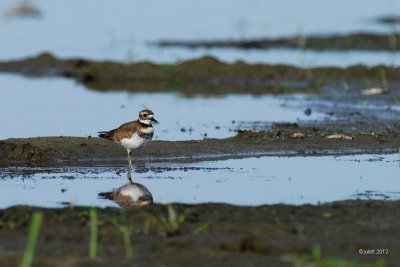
column 146, row 116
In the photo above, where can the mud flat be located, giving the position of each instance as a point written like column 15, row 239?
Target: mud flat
column 212, row 235
column 288, row 140
column 354, row 41
column 202, row 76
column 391, row 20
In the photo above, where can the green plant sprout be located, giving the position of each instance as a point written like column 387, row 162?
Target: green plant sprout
column 126, row 232
column 32, row 238
column 382, row 75
column 93, row 233
column 167, row 226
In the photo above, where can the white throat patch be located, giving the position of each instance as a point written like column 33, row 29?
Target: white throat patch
column 147, row 122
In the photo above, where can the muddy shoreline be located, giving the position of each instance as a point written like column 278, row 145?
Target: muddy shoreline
column 353, row 41
column 211, row 234
column 389, row 20
column 291, row 141
column 203, row 76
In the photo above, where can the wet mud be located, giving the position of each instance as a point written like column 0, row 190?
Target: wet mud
column 281, row 140
column 354, row 41
column 211, row 235
column 203, row 76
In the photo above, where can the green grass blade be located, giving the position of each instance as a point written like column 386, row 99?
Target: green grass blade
column 126, row 235
column 93, row 234
column 32, row 238
column 384, row 80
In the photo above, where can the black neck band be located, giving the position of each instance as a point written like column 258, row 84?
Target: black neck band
column 145, row 125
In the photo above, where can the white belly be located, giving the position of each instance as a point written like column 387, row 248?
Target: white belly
column 134, row 142
column 135, row 192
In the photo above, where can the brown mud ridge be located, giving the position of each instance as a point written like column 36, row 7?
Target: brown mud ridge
column 212, row 235
column 285, row 140
column 203, row 76
column 389, row 20
column 354, row 41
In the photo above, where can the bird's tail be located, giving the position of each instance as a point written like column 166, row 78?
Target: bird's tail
column 106, row 195
column 107, row 135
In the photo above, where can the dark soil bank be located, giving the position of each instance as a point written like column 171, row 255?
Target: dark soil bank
column 389, row 20
column 354, row 41
column 202, row 76
column 211, row 235
column 290, row 141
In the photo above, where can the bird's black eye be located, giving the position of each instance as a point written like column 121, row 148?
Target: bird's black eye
column 145, row 115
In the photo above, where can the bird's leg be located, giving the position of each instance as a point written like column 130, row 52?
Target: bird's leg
column 129, row 159
column 129, row 177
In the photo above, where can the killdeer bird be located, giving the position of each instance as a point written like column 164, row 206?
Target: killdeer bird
column 130, row 195
column 134, row 134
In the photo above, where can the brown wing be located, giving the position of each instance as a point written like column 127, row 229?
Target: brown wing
column 124, row 131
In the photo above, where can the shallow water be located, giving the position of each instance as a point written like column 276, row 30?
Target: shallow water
column 121, row 31
column 57, row 106
column 250, row 181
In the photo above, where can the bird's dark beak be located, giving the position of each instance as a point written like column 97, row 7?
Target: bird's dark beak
column 152, row 119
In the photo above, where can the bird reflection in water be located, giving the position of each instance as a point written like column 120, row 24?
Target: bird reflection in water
column 130, row 195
